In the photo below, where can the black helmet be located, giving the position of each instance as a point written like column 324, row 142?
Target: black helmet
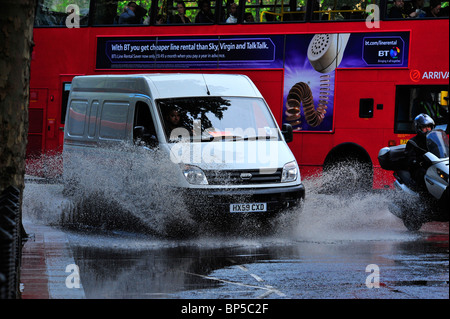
column 423, row 120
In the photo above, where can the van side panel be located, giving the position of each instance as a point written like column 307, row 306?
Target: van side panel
column 93, row 113
column 113, row 120
column 77, row 115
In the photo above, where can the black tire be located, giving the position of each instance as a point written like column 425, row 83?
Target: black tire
column 412, row 224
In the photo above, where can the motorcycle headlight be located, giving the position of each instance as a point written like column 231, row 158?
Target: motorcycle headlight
column 194, row 175
column 290, row 172
column 442, row 175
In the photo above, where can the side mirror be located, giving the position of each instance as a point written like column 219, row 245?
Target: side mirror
column 286, row 130
column 144, row 137
column 138, row 132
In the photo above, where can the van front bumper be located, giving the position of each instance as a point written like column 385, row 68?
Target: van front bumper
column 218, row 201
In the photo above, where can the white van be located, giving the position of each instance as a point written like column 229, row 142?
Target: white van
column 225, row 149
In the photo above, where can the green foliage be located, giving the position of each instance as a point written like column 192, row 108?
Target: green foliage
column 61, row 5
column 193, row 109
column 122, row 4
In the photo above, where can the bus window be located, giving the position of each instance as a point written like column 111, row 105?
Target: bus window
column 168, row 12
column 133, row 12
column 366, row 108
column 206, row 12
column 274, row 10
column 401, row 9
column 64, row 100
column 198, row 11
column 340, row 10
column 157, row 12
column 229, row 11
column 411, row 100
column 108, row 12
column 105, row 12
column 190, row 9
column 55, row 13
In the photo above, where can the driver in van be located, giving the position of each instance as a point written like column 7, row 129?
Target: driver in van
column 417, row 147
column 173, row 120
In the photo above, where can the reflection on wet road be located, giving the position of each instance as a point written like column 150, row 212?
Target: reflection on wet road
column 122, row 266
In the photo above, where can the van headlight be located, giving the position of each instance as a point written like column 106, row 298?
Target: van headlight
column 194, row 175
column 290, row 172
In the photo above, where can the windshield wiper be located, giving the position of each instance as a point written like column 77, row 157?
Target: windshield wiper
column 209, row 138
column 238, row 138
column 260, row 137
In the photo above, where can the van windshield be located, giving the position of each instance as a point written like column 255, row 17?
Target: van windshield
column 214, row 119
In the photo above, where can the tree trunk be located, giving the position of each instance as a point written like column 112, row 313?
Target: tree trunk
column 16, row 38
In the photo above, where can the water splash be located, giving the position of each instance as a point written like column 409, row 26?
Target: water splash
column 131, row 188
column 350, row 214
column 124, row 194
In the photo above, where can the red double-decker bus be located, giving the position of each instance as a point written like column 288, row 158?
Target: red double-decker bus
column 349, row 76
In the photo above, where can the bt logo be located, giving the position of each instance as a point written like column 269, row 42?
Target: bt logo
column 394, row 53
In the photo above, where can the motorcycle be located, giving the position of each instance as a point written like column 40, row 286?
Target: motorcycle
column 413, row 206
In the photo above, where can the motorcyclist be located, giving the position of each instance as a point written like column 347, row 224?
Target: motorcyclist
column 416, row 147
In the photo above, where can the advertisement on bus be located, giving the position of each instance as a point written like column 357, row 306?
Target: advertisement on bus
column 309, row 62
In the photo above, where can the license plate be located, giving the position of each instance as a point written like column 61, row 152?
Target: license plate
column 248, row 207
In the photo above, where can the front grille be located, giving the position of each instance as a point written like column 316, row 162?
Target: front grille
column 242, row 177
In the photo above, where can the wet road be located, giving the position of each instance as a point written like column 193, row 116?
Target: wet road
column 415, row 266
column 337, row 248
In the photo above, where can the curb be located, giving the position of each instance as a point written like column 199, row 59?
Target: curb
column 48, row 266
